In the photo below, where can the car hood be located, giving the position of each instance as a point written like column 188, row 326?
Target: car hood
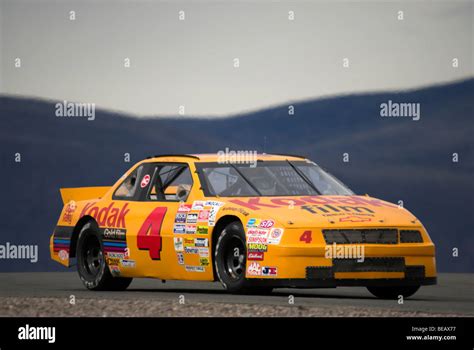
column 324, row 211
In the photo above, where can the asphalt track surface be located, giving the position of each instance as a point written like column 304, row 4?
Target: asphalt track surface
column 454, row 293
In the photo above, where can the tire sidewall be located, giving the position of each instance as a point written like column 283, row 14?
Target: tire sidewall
column 90, row 282
column 232, row 230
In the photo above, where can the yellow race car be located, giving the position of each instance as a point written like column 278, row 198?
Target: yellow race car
column 280, row 221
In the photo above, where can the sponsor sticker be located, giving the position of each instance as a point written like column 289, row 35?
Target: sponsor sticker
column 213, row 204
column 180, row 257
column 204, row 261
column 113, row 261
column 184, row 208
column 192, row 218
column 180, row 218
column 253, row 222
column 201, row 242
column 212, row 216
column 178, row 244
column 128, row 263
column 63, row 255
column 189, row 242
column 202, row 230
column 269, row 271
column 275, row 236
column 254, row 269
column 191, row 229
column 257, row 247
column 115, row 233
column 194, row 268
column 257, row 239
column 198, row 205
column 115, row 255
column 179, row 228
column 145, row 181
column 203, row 215
column 191, row 250
column 267, row 224
column 69, row 211
column 114, row 270
column 257, row 232
column 255, row 256
column 203, row 252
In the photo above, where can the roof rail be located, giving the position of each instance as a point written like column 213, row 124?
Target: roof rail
column 173, row 155
column 288, row 155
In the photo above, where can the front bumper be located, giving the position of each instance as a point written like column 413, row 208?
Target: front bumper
column 296, row 264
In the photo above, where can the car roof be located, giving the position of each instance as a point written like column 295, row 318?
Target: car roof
column 214, row 157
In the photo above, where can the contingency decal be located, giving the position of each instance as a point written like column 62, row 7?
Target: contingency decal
column 194, row 268
column 255, row 269
column 194, row 219
column 180, row 257
column 260, row 234
column 116, row 251
column 178, row 244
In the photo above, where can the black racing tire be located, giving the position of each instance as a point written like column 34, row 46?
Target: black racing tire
column 393, row 292
column 230, row 257
column 91, row 265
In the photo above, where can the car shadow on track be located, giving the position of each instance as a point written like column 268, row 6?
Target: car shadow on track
column 276, row 293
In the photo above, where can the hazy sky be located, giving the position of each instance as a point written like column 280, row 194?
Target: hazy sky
column 191, row 62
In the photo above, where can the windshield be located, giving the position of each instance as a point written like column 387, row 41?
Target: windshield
column 268, row 178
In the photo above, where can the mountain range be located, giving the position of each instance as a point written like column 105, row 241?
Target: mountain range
column 390, row 158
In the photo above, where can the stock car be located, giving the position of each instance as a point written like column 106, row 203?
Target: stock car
column 281, row 222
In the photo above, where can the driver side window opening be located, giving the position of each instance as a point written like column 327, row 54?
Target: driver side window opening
column 172, row 182
column 128, row 188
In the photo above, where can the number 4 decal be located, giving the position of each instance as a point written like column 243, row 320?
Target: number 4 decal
column 152, row 225
column 306, row 237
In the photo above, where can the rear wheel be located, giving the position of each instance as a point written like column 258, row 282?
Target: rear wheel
column 393, row 292
column 91, row 264
column 230, row 261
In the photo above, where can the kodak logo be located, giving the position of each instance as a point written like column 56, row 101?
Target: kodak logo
column 109, row 216
column 256, row 204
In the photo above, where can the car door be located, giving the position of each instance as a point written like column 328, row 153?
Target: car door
column 162, row 238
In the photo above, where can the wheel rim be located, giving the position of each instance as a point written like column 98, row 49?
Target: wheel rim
column 234, row 259
column 92, row 257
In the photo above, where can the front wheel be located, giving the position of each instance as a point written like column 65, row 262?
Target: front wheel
column 393, row 292
column 230, row 261
column 91, row 264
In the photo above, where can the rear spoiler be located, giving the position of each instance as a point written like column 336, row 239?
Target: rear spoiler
column 82, row 193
